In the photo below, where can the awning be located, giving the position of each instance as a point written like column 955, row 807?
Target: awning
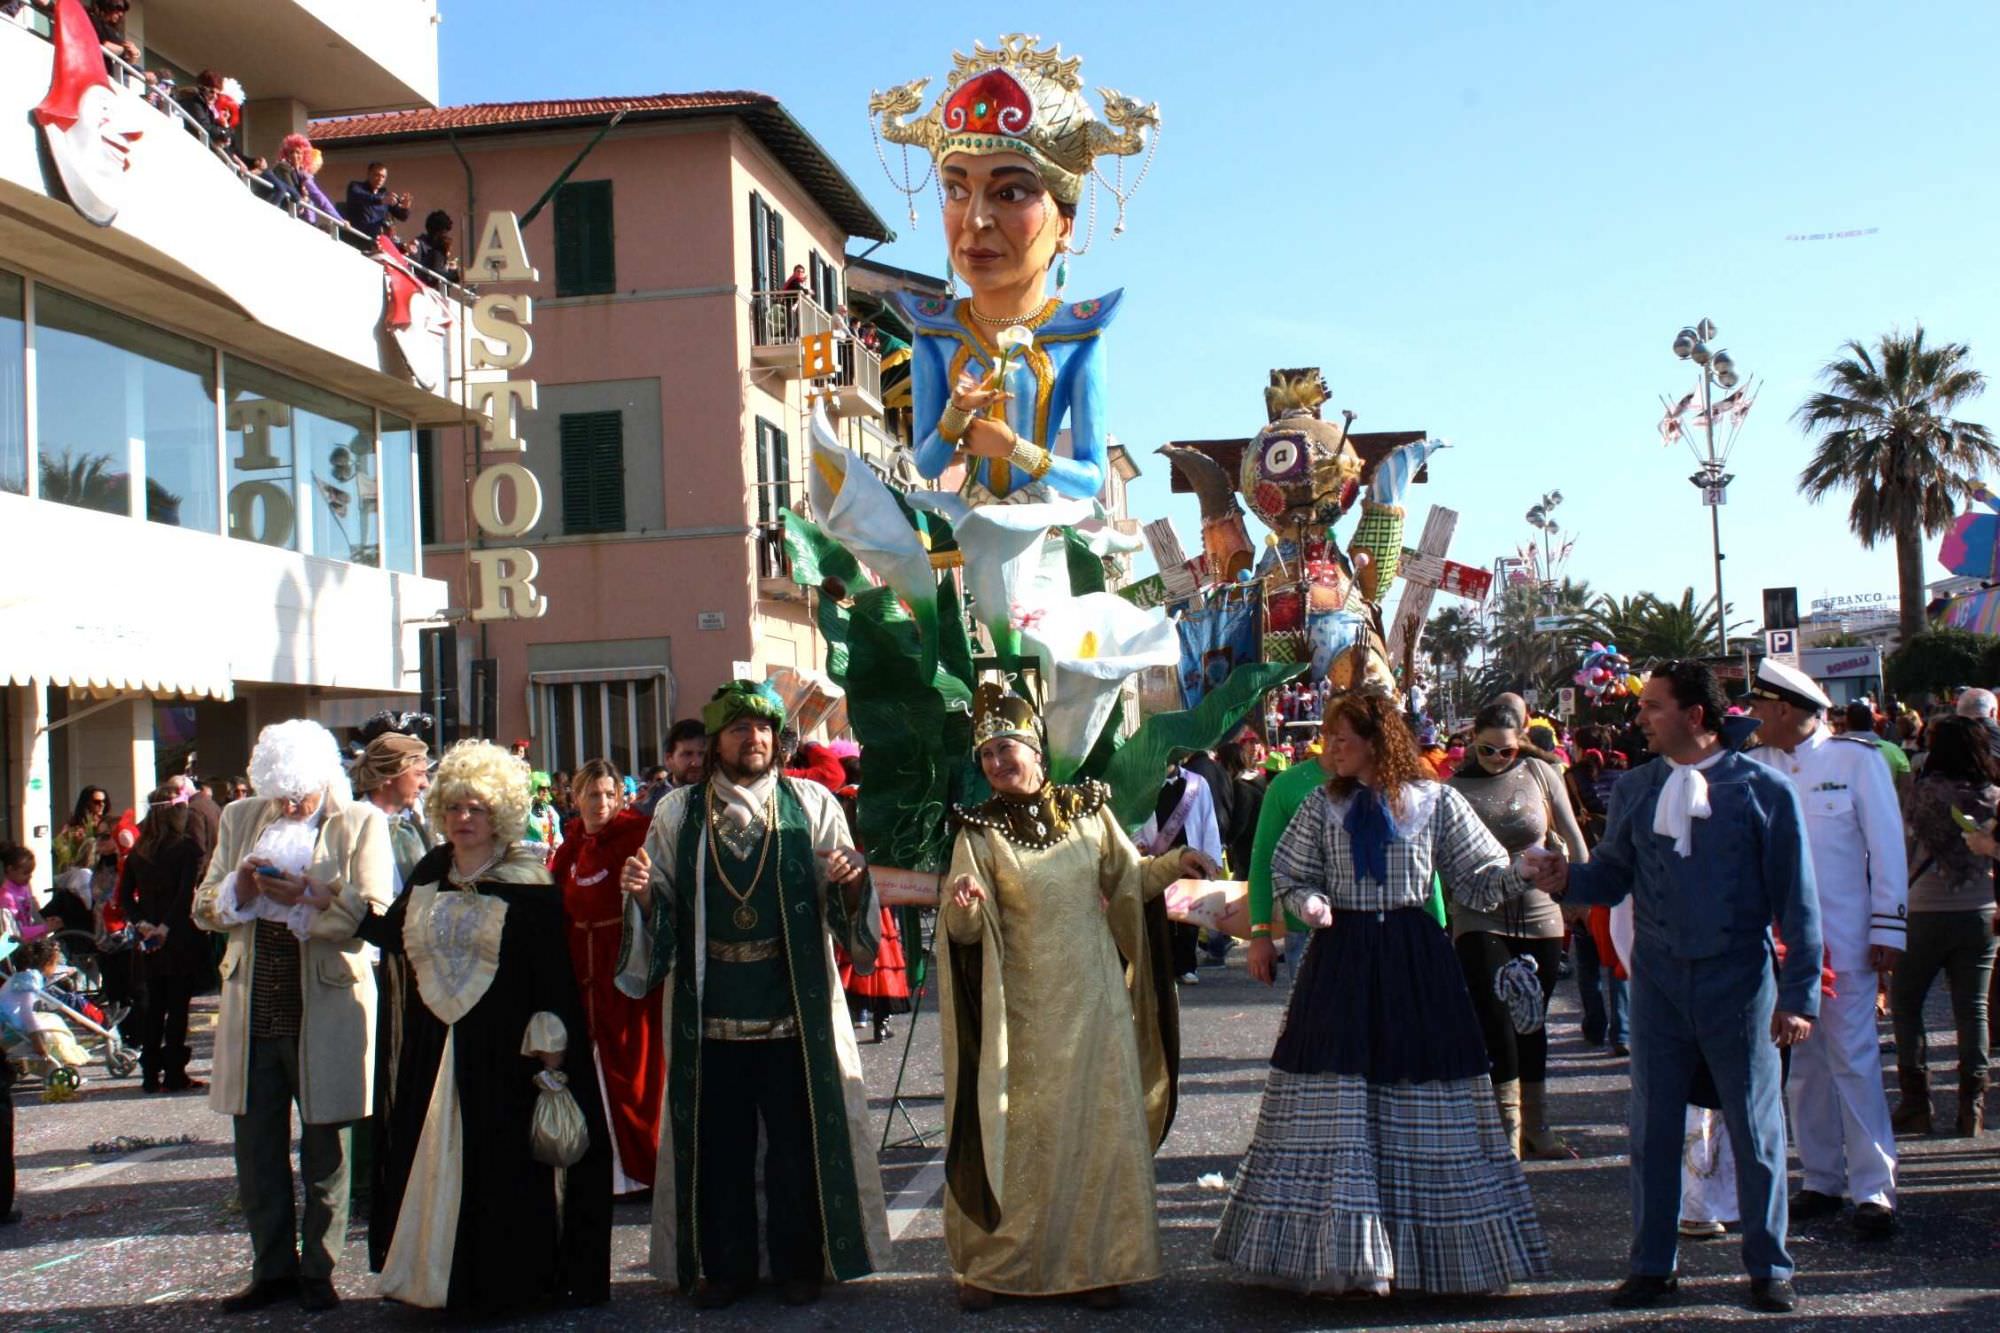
column 121, row 654
column 595, row 675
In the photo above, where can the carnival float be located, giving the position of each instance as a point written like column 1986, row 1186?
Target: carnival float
column 999, row 575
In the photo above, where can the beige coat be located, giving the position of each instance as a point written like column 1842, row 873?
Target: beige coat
column 337, row 1034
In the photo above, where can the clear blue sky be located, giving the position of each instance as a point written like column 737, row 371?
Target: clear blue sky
column 1487, row 225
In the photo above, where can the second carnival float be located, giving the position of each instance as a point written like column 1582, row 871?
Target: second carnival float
column 1000, row 580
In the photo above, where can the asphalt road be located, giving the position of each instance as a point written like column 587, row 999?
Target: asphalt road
column 143, row 1234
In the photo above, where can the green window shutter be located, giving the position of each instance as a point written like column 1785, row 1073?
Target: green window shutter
column 760, row 254
column 585, row 259
column 593, row 472
column 763, row 451
column 781, row 472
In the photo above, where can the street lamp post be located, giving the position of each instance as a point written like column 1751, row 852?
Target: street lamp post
column 1713, row 367
column 1542, row 518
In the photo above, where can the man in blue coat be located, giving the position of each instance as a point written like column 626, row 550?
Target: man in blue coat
column 1711, row 846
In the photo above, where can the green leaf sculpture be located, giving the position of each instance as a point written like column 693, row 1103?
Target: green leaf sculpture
column 1138, row 767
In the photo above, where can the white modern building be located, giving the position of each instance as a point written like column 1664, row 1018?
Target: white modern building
column 208, row 479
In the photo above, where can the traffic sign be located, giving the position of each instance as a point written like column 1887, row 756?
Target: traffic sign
column 1782, row 645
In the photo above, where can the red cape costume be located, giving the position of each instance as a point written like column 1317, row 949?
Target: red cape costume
column 631, row 1056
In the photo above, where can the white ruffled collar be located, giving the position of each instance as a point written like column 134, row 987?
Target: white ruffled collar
column 1409, row 813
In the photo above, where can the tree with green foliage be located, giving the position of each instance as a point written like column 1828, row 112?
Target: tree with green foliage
column 1450, row 639
column 1934, row 665
column 1886, row 432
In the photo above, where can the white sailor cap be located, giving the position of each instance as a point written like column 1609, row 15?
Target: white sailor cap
column 1787, row 684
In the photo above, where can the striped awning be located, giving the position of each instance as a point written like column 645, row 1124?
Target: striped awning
column 107, row 645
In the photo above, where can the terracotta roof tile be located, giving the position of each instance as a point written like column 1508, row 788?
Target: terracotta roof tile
column 765, row 115
column 494, row 115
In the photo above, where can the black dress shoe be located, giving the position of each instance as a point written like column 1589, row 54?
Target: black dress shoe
column 260, row 1294
column 11, row 1217
column 712, row 1295
column 1773, row 1294
column 1873, row 1221
column 317, row 1294
column 1643, row 1291
column 799, row 1291
column 1810, row 1205
column 1620, row 1049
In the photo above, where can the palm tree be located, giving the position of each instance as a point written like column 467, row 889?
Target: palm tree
column 1674, row 629
column 1451, row 638
column 1886, row 432
column 1616, row 621
column 1522, row 658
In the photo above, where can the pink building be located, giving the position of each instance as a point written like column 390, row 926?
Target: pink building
column 672, row 366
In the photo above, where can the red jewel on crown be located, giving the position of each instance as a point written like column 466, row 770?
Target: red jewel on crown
column 993, row 103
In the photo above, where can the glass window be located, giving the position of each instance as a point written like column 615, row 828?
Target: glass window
column 289, row 443
column 617, row 720
column 13, row 398
column 399, row 519
column 115, row 396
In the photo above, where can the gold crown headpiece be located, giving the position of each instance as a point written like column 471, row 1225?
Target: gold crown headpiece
column 998, row 711
column 1019, row 98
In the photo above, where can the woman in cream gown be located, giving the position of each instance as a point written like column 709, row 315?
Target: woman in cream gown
column 1061, row 1031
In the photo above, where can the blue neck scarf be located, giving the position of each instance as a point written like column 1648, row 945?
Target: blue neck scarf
column 1368, row 834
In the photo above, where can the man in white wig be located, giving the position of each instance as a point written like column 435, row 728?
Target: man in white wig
column 294, row 870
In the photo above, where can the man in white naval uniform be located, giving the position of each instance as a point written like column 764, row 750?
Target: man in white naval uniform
column 1855, row 829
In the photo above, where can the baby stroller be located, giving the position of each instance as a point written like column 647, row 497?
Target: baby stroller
column 50, row 1023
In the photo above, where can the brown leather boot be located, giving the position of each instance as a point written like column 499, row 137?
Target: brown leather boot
column 1538, row 1141
column 1913, row 1113
column 1971, row 1106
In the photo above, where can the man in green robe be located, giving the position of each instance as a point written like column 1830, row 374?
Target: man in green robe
column 745, row 881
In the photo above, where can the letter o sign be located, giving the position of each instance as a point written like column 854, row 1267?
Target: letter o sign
column 486, row 500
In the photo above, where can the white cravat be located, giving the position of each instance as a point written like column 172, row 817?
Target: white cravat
column 744, row 805
column 1682, row 801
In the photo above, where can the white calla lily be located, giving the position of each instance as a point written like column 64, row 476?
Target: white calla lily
column 1089, row 646
column 859, row 511
column 1014, row 569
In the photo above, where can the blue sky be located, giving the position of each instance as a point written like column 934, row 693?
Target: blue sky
column 1485, row 224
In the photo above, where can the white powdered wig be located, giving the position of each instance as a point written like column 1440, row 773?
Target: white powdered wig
column 295, row 759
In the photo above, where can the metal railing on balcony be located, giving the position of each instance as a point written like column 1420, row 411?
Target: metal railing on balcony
column 778, row 319
column 159, row 96
column 858, row 368
column 773, row 562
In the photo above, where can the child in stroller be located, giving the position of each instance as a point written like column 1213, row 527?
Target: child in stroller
column 38, row 1007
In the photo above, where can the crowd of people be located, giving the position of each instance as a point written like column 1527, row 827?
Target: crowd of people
column 1740, row 890
column 210, row 106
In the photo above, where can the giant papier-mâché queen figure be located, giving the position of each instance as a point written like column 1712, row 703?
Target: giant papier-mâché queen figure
column 997, row 375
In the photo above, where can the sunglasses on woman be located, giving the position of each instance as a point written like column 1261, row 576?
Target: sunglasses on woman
column 1498, row 751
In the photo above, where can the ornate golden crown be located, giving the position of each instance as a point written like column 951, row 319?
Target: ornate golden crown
column 997, row 712
column 1019, row 98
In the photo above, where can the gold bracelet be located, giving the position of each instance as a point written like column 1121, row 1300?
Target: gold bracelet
column 953, row 422
column 1031, row 458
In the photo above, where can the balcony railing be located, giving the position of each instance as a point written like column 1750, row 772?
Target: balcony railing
column 786, row 319
column 160, row 98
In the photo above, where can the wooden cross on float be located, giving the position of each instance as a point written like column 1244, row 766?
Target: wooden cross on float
column 1423, row 572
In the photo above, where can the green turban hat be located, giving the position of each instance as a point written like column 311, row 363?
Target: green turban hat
column 742, row 698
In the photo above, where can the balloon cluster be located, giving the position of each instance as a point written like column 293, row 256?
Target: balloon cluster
column 1606, row 673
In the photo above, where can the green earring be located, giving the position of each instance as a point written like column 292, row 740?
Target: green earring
column 1062, row 274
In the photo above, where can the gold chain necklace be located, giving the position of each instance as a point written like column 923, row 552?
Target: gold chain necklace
column 745, row 916
column 1003, row 321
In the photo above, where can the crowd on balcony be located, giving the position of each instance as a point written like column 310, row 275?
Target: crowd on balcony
column 211, row 108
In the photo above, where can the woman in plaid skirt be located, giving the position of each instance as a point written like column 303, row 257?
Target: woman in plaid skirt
column 1379, row 1159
